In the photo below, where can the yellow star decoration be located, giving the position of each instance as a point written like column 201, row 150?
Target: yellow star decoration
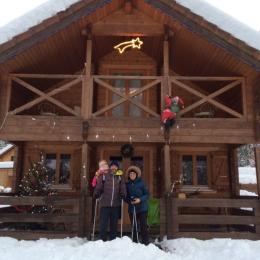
column 134, row 43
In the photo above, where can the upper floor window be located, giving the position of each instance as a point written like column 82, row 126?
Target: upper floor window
column 127, row 87
column 195, row 169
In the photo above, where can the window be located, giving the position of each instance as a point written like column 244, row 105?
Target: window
column 195, row 169
column 59, row 167
column 127, row 87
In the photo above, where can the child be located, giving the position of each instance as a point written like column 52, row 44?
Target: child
column 103, row 169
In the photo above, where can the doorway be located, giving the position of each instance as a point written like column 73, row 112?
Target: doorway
column 143, row 157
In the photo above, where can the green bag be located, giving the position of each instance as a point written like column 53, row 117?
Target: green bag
column 153, row 218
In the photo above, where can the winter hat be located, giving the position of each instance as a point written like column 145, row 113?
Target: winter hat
column 114, row 163
column 134, row 169
column 103, row 165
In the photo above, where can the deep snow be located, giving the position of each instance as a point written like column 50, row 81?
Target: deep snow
column 124, row 249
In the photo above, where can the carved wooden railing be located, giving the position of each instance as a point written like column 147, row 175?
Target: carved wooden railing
column 101, row 80
column 186, row 83
column 205, row 97
column 20, row 79
column 236, row 218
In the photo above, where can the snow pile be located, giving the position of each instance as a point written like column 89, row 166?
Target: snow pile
column 32, row 18
column 247, row 193
column 5, row 190
column 80, row 249
column 223, row 21
column 247, row 175
column 6, row 165
column 7, row 147
column 214, row 249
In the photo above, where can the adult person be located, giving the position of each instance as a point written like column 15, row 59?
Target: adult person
column 111, row 190
column 137, row 199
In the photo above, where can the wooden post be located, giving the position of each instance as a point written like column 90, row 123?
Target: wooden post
column 257, row 160
column 233, row 171
column 84, row 219
column 166, row 84
column 167, row 168
column 18, row 165
column 87, row 85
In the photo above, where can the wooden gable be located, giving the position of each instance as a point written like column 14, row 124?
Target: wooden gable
column 126, row 22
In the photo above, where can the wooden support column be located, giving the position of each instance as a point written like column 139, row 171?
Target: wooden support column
column 18, row 165
column 87, row 85
column 233, row 171
column 84, row 217
column 167, row 168
column 166, row 87
column 257, row 160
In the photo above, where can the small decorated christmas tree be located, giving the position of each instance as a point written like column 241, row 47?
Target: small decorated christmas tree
column 35, row 181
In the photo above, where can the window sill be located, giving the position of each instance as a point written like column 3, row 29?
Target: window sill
column 58, row 187
column 195, row 189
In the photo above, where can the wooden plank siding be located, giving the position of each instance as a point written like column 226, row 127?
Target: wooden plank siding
column 40, row 128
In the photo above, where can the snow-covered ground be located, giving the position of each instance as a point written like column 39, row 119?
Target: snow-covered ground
column 80, row 249
column 247, row 175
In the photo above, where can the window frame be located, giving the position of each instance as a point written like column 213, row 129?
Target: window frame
column 58, row 154
column 194, row 169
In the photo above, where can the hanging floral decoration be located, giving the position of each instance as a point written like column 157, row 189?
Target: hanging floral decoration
column 172, row 106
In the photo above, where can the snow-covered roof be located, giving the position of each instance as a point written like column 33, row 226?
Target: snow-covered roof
column 224, row 21
column 200, row 7
column 32, row 18
column 6, row 148
column 6, row 165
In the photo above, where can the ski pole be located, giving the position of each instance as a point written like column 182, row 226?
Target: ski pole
column 133, row 220
column 122, row 215
column 136, row 226
column 94, row 224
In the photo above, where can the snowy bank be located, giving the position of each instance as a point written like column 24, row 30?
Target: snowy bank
column 178, row 249
column 247, row 175
column 76, row 248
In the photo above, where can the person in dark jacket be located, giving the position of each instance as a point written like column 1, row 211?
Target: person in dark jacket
column 111, row 190
column 137, row 199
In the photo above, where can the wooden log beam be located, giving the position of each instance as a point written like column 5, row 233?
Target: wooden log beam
column 216, row 203
column 39, row 218
column 218, row 219
column 45, row 76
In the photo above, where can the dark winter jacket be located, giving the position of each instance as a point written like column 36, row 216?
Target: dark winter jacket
column 110, row 189
column 137, row 189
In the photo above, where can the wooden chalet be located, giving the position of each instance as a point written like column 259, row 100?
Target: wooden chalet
column 67, row 94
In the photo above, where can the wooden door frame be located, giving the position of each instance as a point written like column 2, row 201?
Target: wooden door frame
column 145, row 151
